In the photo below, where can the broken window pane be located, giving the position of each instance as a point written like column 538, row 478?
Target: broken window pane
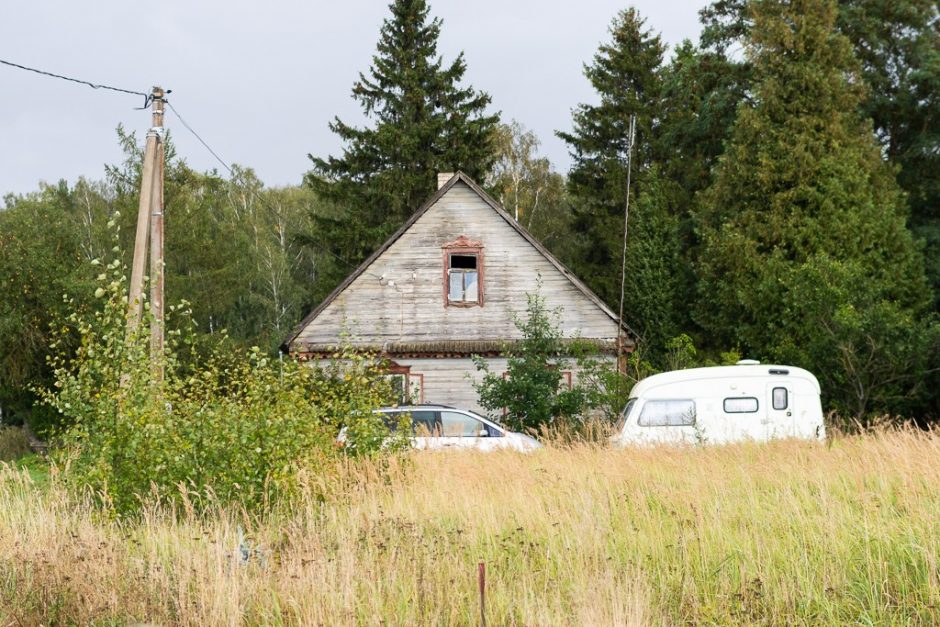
column 467, row 262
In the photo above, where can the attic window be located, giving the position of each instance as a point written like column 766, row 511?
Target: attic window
column 463, row 279
column 463, row 273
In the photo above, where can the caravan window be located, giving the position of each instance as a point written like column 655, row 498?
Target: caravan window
column 743, row 405
column 668, row 413
column 780, row 398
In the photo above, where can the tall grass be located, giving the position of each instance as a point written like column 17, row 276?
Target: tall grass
column 782, row 533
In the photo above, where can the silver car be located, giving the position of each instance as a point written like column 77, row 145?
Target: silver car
column 442, row 427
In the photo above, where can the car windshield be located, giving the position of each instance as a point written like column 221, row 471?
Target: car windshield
column 484, row 419
column 625, row 414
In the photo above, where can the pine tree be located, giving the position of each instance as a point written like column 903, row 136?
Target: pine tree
column 626, row 72
column 424, row 122
column 806, row 255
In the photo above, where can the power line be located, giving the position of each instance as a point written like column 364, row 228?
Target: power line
column 80, row 81
column 201, row 140
column 147, row 97
column 253, row 191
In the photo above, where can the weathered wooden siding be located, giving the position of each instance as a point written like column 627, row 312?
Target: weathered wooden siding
column 413, row 309
column 450, row 381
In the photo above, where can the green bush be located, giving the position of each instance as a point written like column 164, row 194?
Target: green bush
column 531, row 393
column 228, row 426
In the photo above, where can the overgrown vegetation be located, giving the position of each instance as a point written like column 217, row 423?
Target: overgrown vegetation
column 783, row 533
column 226, row 426
column 804, row 243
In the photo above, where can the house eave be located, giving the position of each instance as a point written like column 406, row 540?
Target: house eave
column 444, row 348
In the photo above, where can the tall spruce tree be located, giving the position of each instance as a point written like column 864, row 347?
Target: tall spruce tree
column 424, row 122
column 806, row 256
column 898, row 46
column 626, row 72
column 701, row 90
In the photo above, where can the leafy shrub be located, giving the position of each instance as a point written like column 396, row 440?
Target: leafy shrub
column 532, row 393
column 233, row 425
column 608, row 388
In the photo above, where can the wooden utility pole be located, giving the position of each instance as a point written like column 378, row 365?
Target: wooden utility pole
column 147, row 188
column 156, row 259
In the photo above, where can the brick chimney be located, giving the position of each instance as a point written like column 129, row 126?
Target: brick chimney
column 443, row 177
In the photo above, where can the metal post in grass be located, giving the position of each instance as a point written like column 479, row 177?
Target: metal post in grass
column 481, row 571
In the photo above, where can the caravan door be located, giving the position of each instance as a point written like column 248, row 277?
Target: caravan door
column 780, row 411
column 744, row 417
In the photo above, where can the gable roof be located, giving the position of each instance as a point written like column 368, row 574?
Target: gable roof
column 457, row 177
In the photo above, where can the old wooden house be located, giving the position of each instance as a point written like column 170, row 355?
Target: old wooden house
column 446, row 287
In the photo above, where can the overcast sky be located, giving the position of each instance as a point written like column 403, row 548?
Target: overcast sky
column 261, row 80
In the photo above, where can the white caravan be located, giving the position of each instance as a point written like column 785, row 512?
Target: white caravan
column 723, row 404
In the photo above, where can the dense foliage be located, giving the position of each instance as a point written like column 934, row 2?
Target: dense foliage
column 627, row 73
column 232, row 250
column 804, row 235
column 224, row 426
column 897, row 45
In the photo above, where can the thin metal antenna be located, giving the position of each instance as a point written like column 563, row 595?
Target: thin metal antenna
column 626, row 220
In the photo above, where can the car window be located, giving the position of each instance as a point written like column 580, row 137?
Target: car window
column 426, row 423
column 454, row 424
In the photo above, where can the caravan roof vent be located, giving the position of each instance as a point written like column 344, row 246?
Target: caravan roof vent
column 748, row 362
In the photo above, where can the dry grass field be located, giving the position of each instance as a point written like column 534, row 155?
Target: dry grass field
column 783, row 533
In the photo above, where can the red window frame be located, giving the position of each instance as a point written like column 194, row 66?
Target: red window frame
column 410, row 378
column 464, row 246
